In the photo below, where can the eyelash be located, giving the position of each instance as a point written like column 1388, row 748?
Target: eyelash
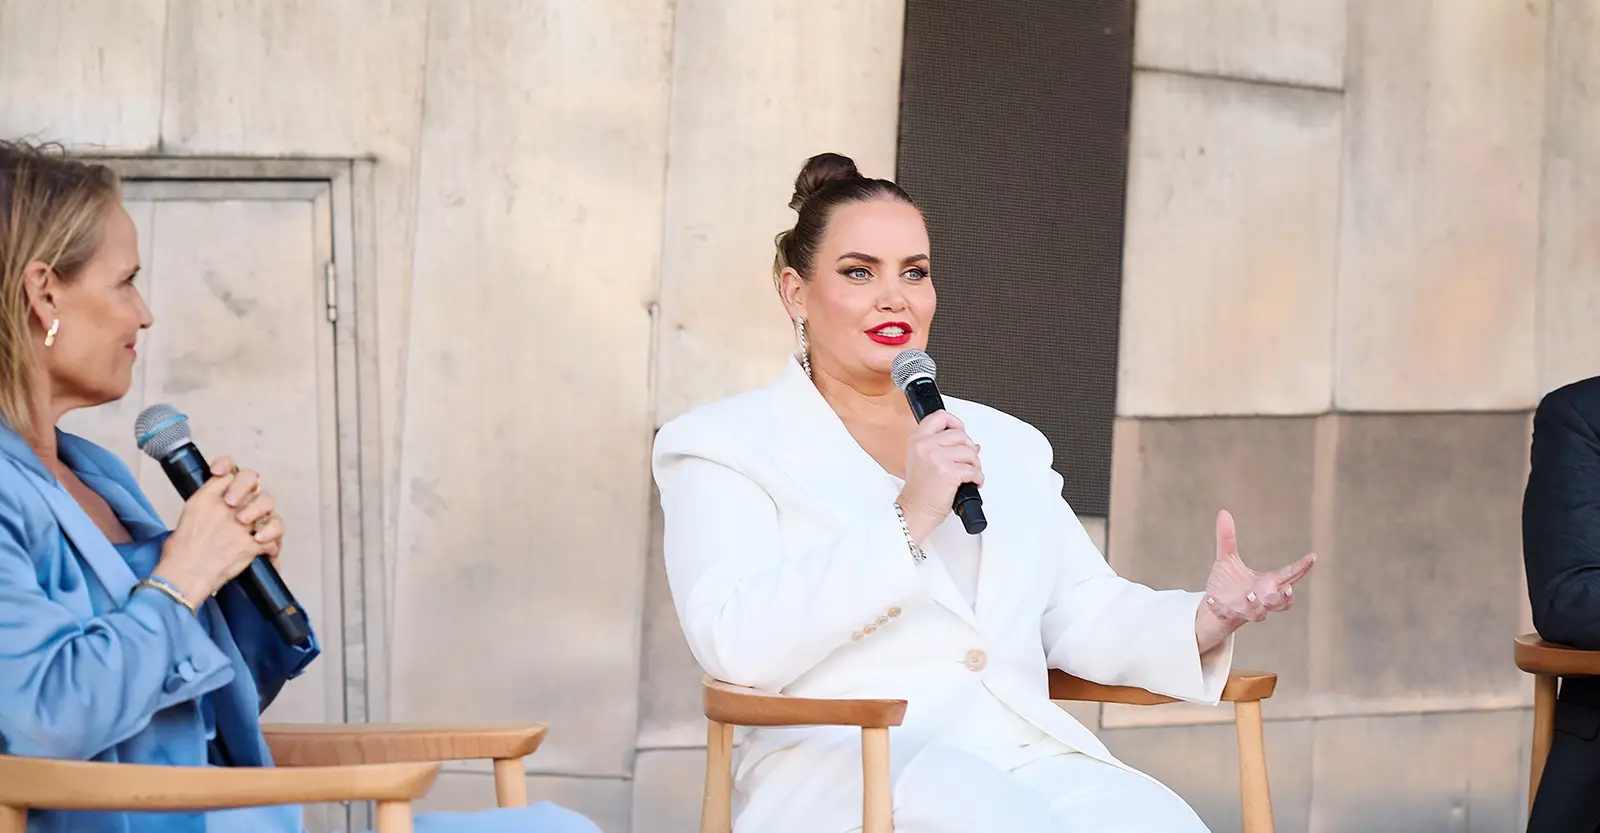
column 922, row 274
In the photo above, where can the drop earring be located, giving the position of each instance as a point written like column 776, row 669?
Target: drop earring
column 805, row 349
column 50, row 335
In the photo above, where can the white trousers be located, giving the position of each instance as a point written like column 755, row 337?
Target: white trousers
column 947, row 790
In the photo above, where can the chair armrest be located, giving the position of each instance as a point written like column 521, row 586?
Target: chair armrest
column 1536, row 656
column 737, row 705
column 337, row 744
column 50, row 784
column 1242, row 687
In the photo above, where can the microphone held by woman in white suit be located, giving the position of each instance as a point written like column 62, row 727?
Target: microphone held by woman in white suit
column 811, row 550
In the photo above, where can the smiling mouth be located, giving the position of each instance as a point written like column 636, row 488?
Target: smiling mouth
column 895, row 333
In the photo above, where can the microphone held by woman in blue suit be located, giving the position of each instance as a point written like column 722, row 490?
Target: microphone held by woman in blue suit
column 121, row 640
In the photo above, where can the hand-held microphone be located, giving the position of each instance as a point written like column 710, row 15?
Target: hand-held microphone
column 913, row 372
column 163, row 433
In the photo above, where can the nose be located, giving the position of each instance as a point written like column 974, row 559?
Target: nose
column 146, row 318
column 893, row 299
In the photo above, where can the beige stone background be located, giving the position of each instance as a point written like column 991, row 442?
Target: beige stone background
column 1361, row 242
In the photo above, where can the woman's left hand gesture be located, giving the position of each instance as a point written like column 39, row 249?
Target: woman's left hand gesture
column 1236, row 594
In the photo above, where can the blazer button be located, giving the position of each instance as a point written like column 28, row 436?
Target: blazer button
column 172, row 683
column 977, row 660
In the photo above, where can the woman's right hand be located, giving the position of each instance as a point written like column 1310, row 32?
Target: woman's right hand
column 939, row 458
column 210, row 546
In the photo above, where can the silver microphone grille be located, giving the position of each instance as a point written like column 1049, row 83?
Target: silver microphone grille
column 910, row 366
column 161, row 430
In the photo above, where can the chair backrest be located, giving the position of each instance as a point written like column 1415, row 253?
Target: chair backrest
column 1548, row 662
column 727, row 706
column 42, row 783
column 1242, row 687
column 1536, row 656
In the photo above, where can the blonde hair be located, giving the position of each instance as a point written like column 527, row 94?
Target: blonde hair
column 51, row 207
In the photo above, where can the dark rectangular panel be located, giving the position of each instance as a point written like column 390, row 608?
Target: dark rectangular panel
column 1013, row 140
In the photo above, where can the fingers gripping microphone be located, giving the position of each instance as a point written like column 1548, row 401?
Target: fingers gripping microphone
column 163, row 433
column 913, row 372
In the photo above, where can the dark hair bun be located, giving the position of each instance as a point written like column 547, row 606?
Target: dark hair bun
column 819, row 172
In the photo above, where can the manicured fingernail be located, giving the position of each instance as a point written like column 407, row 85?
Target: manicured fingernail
column 1211, row 600
column 1288, row 591
column 1251, row 597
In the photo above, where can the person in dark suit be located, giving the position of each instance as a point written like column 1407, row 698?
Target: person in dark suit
column 1561, row 550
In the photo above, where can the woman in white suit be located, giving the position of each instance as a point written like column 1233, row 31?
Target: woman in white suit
column 812, row 551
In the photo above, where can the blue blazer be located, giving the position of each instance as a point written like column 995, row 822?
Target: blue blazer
column 90, row 672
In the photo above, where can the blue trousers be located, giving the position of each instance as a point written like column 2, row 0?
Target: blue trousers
column 542, row 817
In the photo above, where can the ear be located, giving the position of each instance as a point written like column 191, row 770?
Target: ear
column 793, row 289
column 39, row 282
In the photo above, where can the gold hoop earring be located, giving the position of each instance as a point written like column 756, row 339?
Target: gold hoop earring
column 805, row 349
column 50, row 336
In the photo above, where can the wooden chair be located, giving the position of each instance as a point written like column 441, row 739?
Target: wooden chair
column 727, row 706
column 391, row 764
column 1548, row 662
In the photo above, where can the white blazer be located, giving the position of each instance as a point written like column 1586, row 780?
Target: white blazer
column 790, row 573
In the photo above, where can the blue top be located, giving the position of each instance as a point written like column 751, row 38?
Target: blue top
column 91, row 671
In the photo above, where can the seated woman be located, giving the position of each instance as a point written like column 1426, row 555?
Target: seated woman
column 120, row 640
column 812, row 551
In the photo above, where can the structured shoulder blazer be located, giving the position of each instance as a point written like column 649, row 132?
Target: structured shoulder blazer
column 90, row 672
column 791, row 573
column 1561, row 552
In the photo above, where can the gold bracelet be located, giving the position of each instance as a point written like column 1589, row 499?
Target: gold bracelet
column 916, row 552
column 168, row 588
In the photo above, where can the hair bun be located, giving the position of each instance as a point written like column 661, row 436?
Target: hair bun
column 819, row 172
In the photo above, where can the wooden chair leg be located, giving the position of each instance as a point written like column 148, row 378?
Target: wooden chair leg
column 1544, row 728
column 13, row 820
column 877, row 811
column 716, row 808
column 394, row 817
column 1253, row 790
column 510, row 783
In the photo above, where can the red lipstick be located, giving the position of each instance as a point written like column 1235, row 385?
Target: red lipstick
column 891, row 333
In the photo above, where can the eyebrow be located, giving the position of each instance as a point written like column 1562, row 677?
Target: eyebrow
column 870, row 259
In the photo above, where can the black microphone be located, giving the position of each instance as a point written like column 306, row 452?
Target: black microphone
column 162, row 432
column 913, row 372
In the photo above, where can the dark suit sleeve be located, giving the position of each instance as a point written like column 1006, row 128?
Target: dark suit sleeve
column 1561, row 523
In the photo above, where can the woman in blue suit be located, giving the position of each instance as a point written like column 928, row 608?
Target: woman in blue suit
column 120, row 640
